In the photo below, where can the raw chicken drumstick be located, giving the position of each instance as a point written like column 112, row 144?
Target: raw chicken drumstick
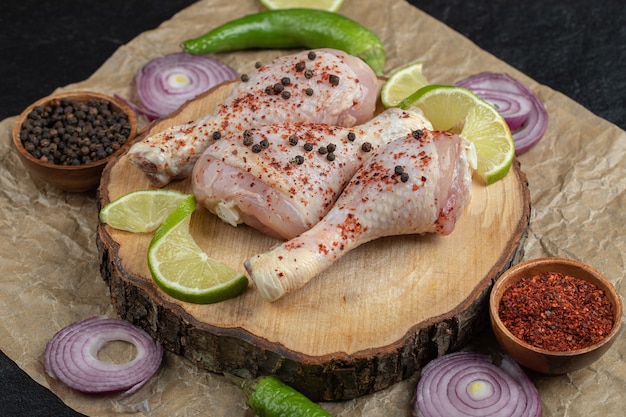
column 282, row 179
column 416, row 184
column 321, row 86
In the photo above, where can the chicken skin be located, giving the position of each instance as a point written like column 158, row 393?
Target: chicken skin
column 417, row 184
column 323, row 86
column 282, row 179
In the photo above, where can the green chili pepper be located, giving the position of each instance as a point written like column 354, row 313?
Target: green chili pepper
column 269, row 397
column 293, row 28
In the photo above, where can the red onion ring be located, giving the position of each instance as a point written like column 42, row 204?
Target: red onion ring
column 533, row 127
column 71, row 356
column 470, row 384
column 167, row 82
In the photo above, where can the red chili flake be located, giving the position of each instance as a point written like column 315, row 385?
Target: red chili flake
column 556, row 312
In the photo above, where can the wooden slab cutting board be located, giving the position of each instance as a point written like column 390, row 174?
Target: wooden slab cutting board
column 374, row 318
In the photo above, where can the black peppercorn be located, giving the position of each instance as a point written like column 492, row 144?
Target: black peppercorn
column 330, row 156
column 309, row 91
column 293, row 140
column 308, row 74
column 247, row 138
column 398, row 170
column 417, row 134
column 366, row 147
column 334, row 80
column 312, row 55
column 323, row 150
column 298, row 159
column 217, row 135
column 331, row 147
column 308, row 146
column 300, row 66
column 285, row 94
column 285, row 81
column 69, row 132
column 256, row 148
column 245, row 78
column 351, row 136
column 264, row 144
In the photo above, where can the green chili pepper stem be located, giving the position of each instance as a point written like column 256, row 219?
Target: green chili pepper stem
column 248, row 386
column 292, row 28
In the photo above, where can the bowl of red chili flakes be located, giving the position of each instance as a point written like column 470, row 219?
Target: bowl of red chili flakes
column 554, row 315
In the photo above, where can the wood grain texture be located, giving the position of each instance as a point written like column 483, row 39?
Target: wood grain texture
column 374, row 318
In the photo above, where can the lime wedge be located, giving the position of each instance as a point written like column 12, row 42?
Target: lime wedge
column 141, row 211
column 328, row 5
column 180, row 267
column 402, row 83
column 459, row 110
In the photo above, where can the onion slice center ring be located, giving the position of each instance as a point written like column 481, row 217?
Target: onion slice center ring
column 71, row 356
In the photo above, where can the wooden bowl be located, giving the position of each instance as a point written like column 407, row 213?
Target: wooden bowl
column 545, row 361
column 71, row 178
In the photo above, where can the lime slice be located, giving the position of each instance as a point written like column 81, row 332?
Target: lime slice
column 459, row 110
column 402, row 83
column 328, row 5
column 141, row 211
column 182, row 270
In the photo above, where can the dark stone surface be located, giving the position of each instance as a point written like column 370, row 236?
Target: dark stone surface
column 574, row 46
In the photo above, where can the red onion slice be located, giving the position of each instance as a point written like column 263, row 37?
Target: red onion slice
column 470, row 384
column 72, row 356
column 167, row 82
column 533, row 128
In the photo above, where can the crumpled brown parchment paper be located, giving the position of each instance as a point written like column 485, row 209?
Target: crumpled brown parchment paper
column 49, row 265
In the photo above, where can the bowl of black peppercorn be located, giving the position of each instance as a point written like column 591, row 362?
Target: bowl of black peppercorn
column 66, row 139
